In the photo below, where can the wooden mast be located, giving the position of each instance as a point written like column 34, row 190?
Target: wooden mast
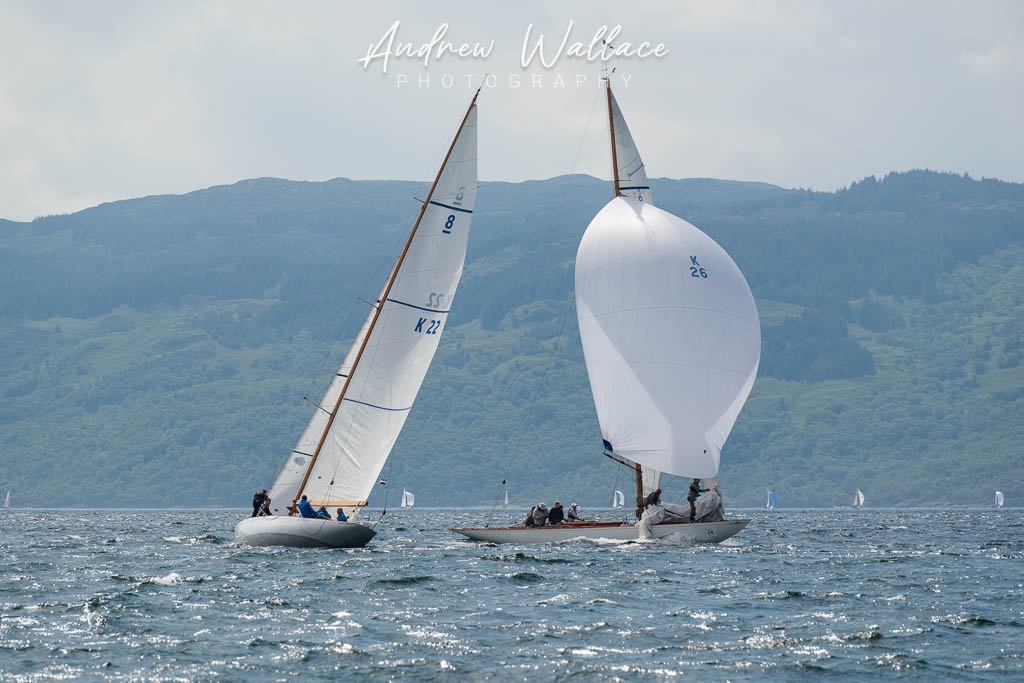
column 379, row 307
column 618, row 193
column 611, row 129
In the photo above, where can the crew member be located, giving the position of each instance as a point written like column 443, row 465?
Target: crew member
column 693, row 495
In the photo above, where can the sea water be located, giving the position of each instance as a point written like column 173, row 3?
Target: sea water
column 169, row 594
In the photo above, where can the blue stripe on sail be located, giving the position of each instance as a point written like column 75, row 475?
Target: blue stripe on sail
column 636, row 187
column 397, row 410
column 308, row 455
column 453, row 208
column 429, row 310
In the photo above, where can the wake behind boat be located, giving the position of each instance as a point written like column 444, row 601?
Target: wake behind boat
column 343, row 449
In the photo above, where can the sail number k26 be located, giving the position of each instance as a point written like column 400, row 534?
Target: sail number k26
column 449, row 222
column 695, row 268
column 425, row 326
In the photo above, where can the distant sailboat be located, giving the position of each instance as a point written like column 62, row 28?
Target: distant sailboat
column 408, row 499
column 341, row 452
column 999, row 498
column 858, row 499
column 7, row 500
column 506, row 497
column 672, row 341
column 771, row 499
column 618, row 499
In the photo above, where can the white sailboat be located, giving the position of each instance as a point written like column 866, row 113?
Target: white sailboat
column 7, row 500
column 618, row 499
column 999, row 498
column 408, row 499
column 506, row 497
column 858, row 499
column 340, row 454
column 771, row 499
column 672, row 342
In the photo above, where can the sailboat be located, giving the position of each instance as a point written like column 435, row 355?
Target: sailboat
column 672, row 341
column 506, row 498
column 858, row 499
column 408, row 499
column 618, row 499
column 7, row 500
column 771, row 499
column 341, row 452
column 999, row 498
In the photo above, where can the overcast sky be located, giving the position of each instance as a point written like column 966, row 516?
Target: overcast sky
column 104, row 100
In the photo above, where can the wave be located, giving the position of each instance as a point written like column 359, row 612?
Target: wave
column 404, row 581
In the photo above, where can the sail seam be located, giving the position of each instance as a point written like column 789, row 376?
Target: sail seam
column 428, row 310
column 636, row 187
column 453, row 208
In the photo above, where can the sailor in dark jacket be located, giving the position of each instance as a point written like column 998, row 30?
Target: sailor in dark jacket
column 259, row 503
column 557, row 514
column 693, row 495
column 653, row 498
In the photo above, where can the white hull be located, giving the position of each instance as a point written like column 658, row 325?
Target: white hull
column 300, row 532
column 698, row 532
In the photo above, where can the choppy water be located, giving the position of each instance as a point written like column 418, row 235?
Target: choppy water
column 802, row 593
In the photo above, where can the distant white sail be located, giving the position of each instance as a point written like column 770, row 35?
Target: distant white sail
column 408, row 499
column 771, row 499
column 506, row 497
column 999, row 499
column 7, row 500
column 858, row 499
column 397, row 354
column 618, row 499
column 632, row 175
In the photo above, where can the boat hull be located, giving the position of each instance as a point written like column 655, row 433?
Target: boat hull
column 300, row 532
column 698, row 532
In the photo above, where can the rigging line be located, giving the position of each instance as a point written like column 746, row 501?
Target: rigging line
column 536, row 283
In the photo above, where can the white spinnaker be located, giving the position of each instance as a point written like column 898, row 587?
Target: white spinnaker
column 632, row 176
column 670, row 335
column 398, row 352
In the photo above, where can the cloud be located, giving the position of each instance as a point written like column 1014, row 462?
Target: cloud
column 103, row 102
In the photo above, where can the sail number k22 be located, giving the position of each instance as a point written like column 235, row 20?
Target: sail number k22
column 695, row 268
column 433, row 327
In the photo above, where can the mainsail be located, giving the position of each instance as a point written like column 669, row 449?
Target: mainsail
column 670, row 330
column 408, row 499
column 771, row 499
column 374, row 389
column 999, row 499
column 858, row 499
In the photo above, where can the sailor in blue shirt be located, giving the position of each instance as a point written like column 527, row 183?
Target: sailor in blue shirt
column 305, row 509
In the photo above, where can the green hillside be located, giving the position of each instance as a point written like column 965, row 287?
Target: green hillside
column 156, row 351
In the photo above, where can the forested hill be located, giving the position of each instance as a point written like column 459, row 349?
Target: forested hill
column 156, row 351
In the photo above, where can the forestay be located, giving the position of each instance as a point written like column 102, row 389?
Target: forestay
column 398, row 352
column 670, row 335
